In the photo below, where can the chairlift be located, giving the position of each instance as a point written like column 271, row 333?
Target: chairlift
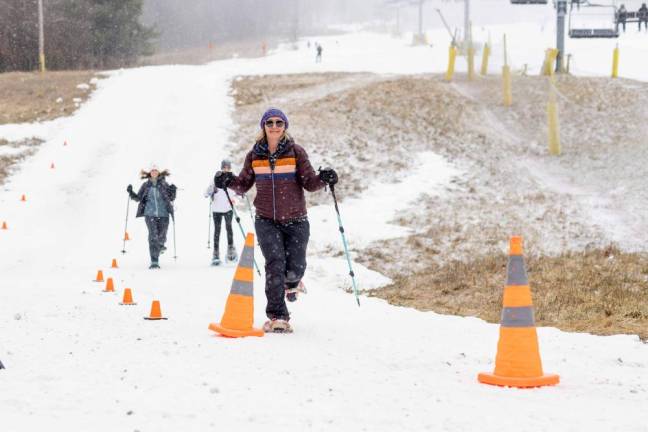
column 529, row 2
column 593, row 21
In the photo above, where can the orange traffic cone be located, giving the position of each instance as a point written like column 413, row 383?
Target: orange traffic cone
column 156, row 313
column 238, row 318
column 126, row 237
column 23, row 198
column 4, row 226
column 99, row 276
column 110, row 286
column 517, row 363
column 128, row 298
column 114, row 263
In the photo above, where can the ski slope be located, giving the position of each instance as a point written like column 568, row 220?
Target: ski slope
column 76, row 360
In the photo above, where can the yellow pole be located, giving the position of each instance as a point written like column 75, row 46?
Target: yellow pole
column 485, row 55
column 553, row 124
column 615, row 62
column 452, row 56
column 508, row 94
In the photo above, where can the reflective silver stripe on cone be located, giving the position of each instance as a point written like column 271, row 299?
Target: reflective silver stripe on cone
column 242, row 288
column 247, row 257
column 518, row 317
column 516, row 273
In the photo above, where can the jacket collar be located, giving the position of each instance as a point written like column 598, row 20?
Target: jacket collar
column 261, row 148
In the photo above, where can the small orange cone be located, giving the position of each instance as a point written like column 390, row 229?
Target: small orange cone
column 517, row 363
column 52, row 166
column 114, row 263
column 110, row 286
column 4, row 226
column 23, row 198
column 128, row 298
column 238, row 318
column 156, row 313
column 99, row 277
column 126, row 237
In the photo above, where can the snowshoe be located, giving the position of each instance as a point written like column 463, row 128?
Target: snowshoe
column 231, row 253
column 163, row 249
column 154, row 265
column 277, row 326
column 215, row 261
column 292, row 293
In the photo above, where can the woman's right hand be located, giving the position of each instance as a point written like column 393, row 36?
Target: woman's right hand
column 223, row 179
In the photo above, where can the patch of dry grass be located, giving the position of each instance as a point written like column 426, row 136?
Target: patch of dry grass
column 8, row 161
column 29, row 96
column 602, row 291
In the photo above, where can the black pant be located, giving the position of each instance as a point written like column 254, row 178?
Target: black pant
column 645, row 22
column 157, row 228
column 284, row 250
column 217, row 229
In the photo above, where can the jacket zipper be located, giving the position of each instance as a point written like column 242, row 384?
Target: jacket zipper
column 274, row 206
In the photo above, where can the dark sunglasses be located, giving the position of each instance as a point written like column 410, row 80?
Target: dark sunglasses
column 275, row 123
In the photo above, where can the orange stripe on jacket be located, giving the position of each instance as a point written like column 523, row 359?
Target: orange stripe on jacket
column 280, row 162
column 278, row 170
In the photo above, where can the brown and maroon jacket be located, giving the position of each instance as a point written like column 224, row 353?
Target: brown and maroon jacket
column 280, row 180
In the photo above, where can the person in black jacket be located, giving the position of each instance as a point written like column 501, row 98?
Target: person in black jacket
column 642, row 14
column 155, row 199
column 622, row 16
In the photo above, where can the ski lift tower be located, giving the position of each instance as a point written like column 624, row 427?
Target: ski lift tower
column 561, row 12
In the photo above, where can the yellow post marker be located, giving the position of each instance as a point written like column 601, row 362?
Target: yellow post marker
column 471, row 62
column 550, row 57
column 615, row 62
column 506, row 79
column 508, row 92
column 552, row 120
column 452, row 56
column 485, row 56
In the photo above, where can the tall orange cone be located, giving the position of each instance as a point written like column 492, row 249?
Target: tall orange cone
column 156, row 312
column 238, row 318
column 517, row 363
column 99, row 277
column 23, row 198
column 4, row 226
column 128, row 298
column 114, row 263
column 110, row 286
column 126, row 237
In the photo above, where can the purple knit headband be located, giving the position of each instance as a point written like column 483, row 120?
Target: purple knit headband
column 273, row 112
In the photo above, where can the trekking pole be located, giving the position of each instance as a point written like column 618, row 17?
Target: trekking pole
column 249, row 208
column 175, row 255
column 126, row 223
column 209, row 218
column 346, row 247
column 238, row 220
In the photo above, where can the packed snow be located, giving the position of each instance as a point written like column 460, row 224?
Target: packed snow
column 76, row 360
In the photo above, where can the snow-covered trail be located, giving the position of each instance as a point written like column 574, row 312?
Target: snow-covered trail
column 76, row 360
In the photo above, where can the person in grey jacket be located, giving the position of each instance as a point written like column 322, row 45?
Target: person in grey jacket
column 155, row 198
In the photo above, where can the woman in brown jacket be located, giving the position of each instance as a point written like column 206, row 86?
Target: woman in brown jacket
column 281, row 171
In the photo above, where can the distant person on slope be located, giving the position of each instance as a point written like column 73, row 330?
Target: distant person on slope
column 318, row 56
column 642, row 14
column 221, row 209
column 281, row 171
column 155, row 199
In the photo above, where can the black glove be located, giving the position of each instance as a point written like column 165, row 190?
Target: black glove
column 173, row 188
column 328, row 176
column 129, row 189
column 223, row 179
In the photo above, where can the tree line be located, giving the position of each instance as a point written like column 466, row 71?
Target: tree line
column 79, row 34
